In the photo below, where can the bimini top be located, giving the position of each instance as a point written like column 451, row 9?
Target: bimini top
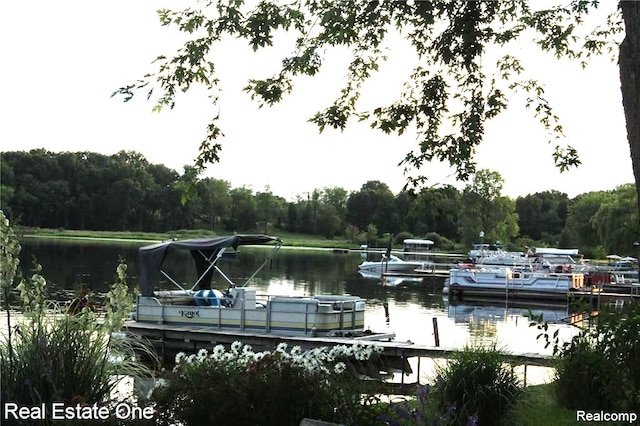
column 205, row 253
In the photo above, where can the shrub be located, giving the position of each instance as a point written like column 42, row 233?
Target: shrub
column 242, row 387
column 399, row 239
column 477, row 385
column 51, row 356
column 440, row 242
column 600, row 367
column 581, row 376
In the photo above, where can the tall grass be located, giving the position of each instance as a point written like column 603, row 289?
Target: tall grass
column 477, row 386
column 48, row 355
column 64, row 359
column 599, row 369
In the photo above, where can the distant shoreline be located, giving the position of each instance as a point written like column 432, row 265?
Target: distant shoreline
column 290, row 240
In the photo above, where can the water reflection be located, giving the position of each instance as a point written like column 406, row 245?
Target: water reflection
column 411, row 306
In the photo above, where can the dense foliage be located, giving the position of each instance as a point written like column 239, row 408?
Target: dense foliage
column 241, row 387
column 468, row 66
column 49, row 354
column 90, row 191
column 599, row 369
column 456, row 82
column 477, row 384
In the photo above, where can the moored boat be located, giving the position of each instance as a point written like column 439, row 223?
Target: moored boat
column 238, row 308
column 510, row 282
column 388, row 264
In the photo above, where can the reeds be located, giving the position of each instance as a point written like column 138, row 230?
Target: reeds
column 477, row 386
column 50, row 355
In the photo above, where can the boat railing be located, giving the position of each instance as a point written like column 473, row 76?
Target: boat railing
column 516, row 276
column 268, row 313
column 344, row 306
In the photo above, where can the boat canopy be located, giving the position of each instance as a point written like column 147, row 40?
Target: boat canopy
column 557, row 252
column 416, row 242
column 205, row 253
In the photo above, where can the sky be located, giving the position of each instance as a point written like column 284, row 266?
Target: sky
column 63, row 60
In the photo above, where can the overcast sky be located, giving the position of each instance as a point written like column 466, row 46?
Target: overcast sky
column 62, row 60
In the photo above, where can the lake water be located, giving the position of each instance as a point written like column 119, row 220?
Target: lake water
column 412, row 306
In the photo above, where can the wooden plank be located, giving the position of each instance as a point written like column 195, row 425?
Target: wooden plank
column 182, row 336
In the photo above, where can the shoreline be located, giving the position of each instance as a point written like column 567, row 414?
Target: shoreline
column 303, row 242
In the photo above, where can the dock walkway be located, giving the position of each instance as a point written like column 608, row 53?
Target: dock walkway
column 170, row 339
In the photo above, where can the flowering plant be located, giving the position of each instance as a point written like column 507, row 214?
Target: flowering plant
column 243, row 387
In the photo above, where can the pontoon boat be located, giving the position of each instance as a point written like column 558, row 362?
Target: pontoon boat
column 238, row 308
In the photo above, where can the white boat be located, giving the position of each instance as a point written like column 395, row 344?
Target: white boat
column 503, row 258
column 388, row 264
column 239, row 308
column 546, row 259
column 510, row 282
column 417, row 246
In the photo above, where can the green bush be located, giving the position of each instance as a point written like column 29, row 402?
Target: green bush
column 600, row 367
column 48, row 355
column 439, row 242
column 581, row 376
column 477, row 386
column 398, row 240
column 282, row 387
column 65, row 359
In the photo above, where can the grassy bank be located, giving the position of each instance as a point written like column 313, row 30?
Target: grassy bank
column 290, row 239
column 538, row 407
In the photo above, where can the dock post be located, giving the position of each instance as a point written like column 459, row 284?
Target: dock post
column 403, row 360
column 436, row 335
column 385, row 305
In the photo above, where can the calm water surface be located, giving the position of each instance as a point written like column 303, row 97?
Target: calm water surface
column 412, row 305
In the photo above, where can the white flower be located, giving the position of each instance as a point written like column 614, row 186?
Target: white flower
column 339, row 368
column 218, row 350
column 336, row 351
column 235, row 346
column 282, row 347
column 296, row 350
column 191, row 358
column 180, row 356
column 202, row 354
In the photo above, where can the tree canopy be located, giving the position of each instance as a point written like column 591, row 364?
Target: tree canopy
column 123, row 191
column 456, row 83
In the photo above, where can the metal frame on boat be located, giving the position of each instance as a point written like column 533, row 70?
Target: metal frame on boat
column 239, row 308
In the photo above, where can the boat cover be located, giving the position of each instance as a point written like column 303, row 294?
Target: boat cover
column 151, row 257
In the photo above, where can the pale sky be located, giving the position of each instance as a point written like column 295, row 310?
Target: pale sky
column 62, row 60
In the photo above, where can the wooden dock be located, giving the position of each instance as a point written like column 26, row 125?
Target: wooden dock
column 168, row 340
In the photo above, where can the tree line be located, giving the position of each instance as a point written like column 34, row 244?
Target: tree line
column 124, row 192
